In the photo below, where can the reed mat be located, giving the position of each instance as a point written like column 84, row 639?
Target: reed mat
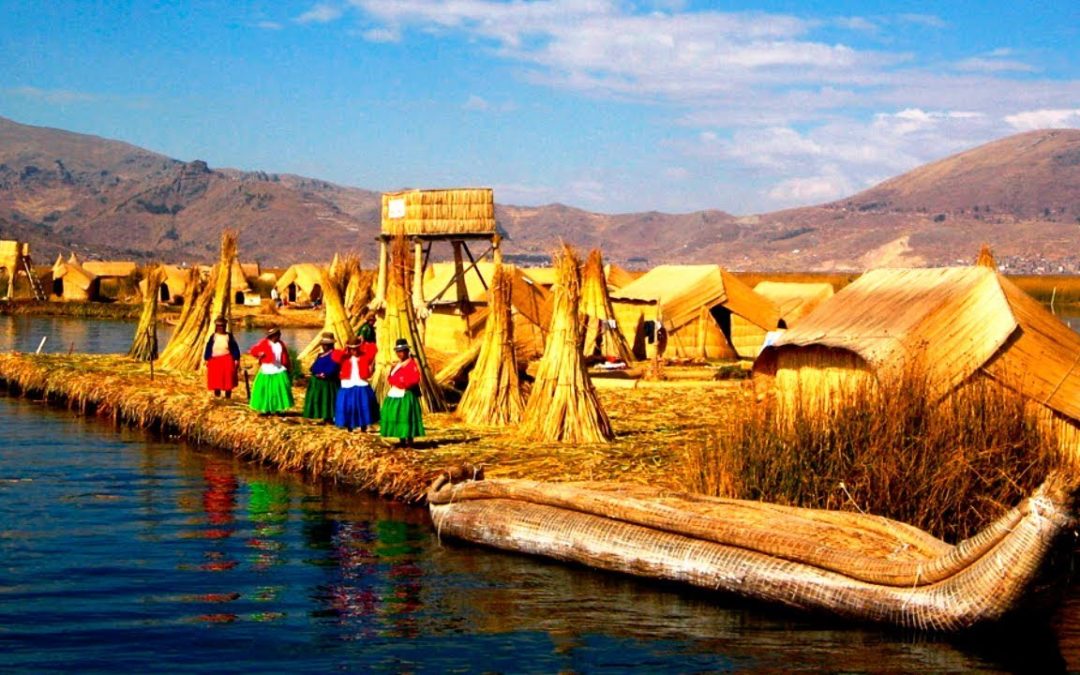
column 652, row 426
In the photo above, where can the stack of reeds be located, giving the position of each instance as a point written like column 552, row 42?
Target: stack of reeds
column 145, row 345
column 598, row 314
column 463, row 211
column 185, row 349
column 563, row 405
column 337, row 321
column 398, row 320
column 986, row 257
column 493, row 397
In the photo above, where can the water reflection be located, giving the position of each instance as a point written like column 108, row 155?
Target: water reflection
column 116, row 548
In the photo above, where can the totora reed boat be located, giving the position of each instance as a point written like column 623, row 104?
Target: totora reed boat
column 857, row 566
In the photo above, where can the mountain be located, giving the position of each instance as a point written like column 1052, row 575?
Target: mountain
column 64, row 191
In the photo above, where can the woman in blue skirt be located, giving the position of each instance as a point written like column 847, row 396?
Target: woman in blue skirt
column 356, row 403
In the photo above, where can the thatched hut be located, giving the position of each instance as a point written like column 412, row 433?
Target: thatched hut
column 174, row 286
column 301, row 283
column 959, row 323
column 792, row 300
column 695, row 305
column 71, row 281
column 618, row 277
column 461, row 211
column 458, row 308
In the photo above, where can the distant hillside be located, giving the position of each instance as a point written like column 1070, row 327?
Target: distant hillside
column 64, row 191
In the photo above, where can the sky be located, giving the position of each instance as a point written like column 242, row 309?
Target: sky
column 605, row 105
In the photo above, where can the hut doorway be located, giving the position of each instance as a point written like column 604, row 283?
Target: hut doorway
column 290, row 292
column 316, row 294
column 58, row 287
column 239, row 298
column 163, row 293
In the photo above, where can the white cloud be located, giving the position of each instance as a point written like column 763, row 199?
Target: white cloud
column 269, row 25
column 381, row 35
column 476, row 104
column 811, row 189
column 988, row 65
column 927, row 20
column 321, row 13
column 1044, row 119
column 857, row 23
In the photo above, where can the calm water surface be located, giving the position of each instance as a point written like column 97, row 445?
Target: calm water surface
column 120, row 550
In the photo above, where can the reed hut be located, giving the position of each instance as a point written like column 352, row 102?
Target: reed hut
column 71, row 281
column 175, row 284
column 792, row 300
column 116, row 278
column 545, row 276
column 957, row 323
column 458, row 307
column 603, row 337
column 301, row 284
column 563, row 405
column 617, row 277
column 695, row 305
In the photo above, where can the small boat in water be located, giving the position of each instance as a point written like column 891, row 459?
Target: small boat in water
column 854, row 565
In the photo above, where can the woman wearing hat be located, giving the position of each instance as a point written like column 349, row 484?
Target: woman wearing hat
column 222, row 356
column 401, row 416
column 272, row 390
column 323, row 386
column 356, row 402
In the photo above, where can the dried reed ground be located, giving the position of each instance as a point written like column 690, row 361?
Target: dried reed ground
column 652, row 426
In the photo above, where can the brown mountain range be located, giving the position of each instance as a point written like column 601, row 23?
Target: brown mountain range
column 65, row 191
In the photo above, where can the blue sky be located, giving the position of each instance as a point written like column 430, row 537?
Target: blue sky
column 606, row 105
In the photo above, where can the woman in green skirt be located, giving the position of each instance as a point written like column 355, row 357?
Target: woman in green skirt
column 401, row 416
column 272, row 390
column 324, row 383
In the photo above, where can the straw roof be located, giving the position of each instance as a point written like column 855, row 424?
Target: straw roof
column 304, row 275
column 458, row 211
column 545, row 276
column 528, row 298
column 958, row 320
column 73, row 274
column 794, row 300
column 175, row 281
column 105, row 268
column 618, row 277
column 251, row 270
column 12, row 249
column 683, row 290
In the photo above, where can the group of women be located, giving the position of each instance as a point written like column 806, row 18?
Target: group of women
column 339, row 390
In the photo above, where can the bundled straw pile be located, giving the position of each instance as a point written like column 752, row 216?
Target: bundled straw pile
column 185, row 349
column 598, row 314
column 399, row 321
column 494, row 397
column 144, row 347
column 563, row 405
column 337, row 322
column 464, row 211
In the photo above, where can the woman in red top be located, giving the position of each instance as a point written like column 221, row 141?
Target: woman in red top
column 356, row 402
column 401, row 416
column 272, row 390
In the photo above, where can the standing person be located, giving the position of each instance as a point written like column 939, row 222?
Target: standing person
column 367, row 329
column 356, row 402
column 272, row 390
column 401, row 416
column 222, row 356
column 323, row 386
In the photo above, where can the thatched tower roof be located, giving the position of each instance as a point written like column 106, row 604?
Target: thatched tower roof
column 439, row 212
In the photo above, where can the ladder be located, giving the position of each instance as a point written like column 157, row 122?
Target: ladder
column 35, row 283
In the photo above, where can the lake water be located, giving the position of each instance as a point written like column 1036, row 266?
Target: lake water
column 124, row 551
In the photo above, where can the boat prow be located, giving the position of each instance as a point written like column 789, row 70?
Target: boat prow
column 854, row 565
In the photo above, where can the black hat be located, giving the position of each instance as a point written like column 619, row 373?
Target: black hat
column 327, row 339
column 353, row 342
column 221, row 321
column 273, row 330
column 402, row 345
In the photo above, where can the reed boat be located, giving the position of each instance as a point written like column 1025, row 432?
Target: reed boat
column 857, row 566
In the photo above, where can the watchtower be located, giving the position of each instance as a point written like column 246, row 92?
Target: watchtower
column 15, row 258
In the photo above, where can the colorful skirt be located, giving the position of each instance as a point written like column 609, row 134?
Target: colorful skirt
column 221, row 373
column 271, row 393
column 356, row 407
column 401, row 417
column 320, row 398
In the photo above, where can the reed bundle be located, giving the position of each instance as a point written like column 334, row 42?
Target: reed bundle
column 493, row 397
column 145, row 347
column 185, row 349
column 598, row 314
column 986, row 257
column 337, row 321
column 563, row 405
column 399, row 321
column 463, row 211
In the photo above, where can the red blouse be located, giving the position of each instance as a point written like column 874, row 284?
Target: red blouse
column 364, row 362
column 405, row 375
column 265, row 353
